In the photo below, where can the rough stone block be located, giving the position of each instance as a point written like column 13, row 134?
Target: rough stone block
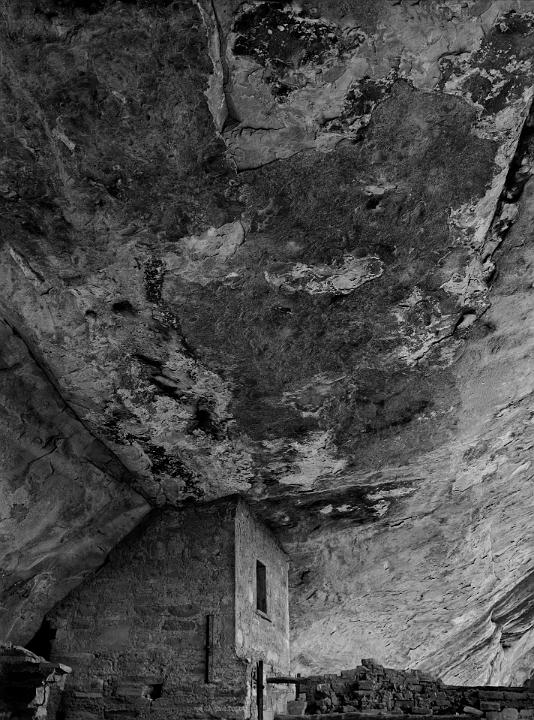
column 490, row 705
column 88, row 687
column 339, row 685
column 509, row 713
column 296, row 707
column 470, row 710
column 129, row 688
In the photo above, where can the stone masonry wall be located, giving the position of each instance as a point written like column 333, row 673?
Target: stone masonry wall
column 262, row 636
column 373, row 689
column 135, row 634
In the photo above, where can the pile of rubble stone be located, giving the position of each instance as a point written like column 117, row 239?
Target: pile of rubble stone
column 30, row 686
column 374, row 690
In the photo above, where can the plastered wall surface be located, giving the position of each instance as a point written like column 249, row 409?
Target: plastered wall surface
column 262, row 636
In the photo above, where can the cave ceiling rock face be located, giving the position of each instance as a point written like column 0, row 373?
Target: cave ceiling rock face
column 268, row 273
column 93, row 304
column 298, row 80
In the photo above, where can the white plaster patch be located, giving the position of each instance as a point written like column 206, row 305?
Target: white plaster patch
column 315, row 459
column 381, row 508
column 331, row 279
column 393, row 493
column 202, row 258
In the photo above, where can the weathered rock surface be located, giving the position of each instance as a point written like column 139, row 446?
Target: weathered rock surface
column 248, row 248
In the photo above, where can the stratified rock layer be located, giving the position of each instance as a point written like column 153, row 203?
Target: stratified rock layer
column 266, row 248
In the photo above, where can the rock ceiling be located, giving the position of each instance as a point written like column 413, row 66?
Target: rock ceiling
column 283, row 250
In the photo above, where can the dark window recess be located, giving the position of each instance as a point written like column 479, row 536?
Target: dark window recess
column 261, row 587
column 152, row 692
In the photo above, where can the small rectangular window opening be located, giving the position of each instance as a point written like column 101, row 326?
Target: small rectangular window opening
column 261, row 587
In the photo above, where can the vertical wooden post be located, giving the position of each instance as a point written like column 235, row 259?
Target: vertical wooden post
column 259, row 688
column 208, row 670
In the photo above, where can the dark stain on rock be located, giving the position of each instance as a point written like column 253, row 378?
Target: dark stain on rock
column 124, row 307
column 283, row 40
column 205, row 421
column 272, row 35
column 163, row 463
column 301, row 513
column 150, row 362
